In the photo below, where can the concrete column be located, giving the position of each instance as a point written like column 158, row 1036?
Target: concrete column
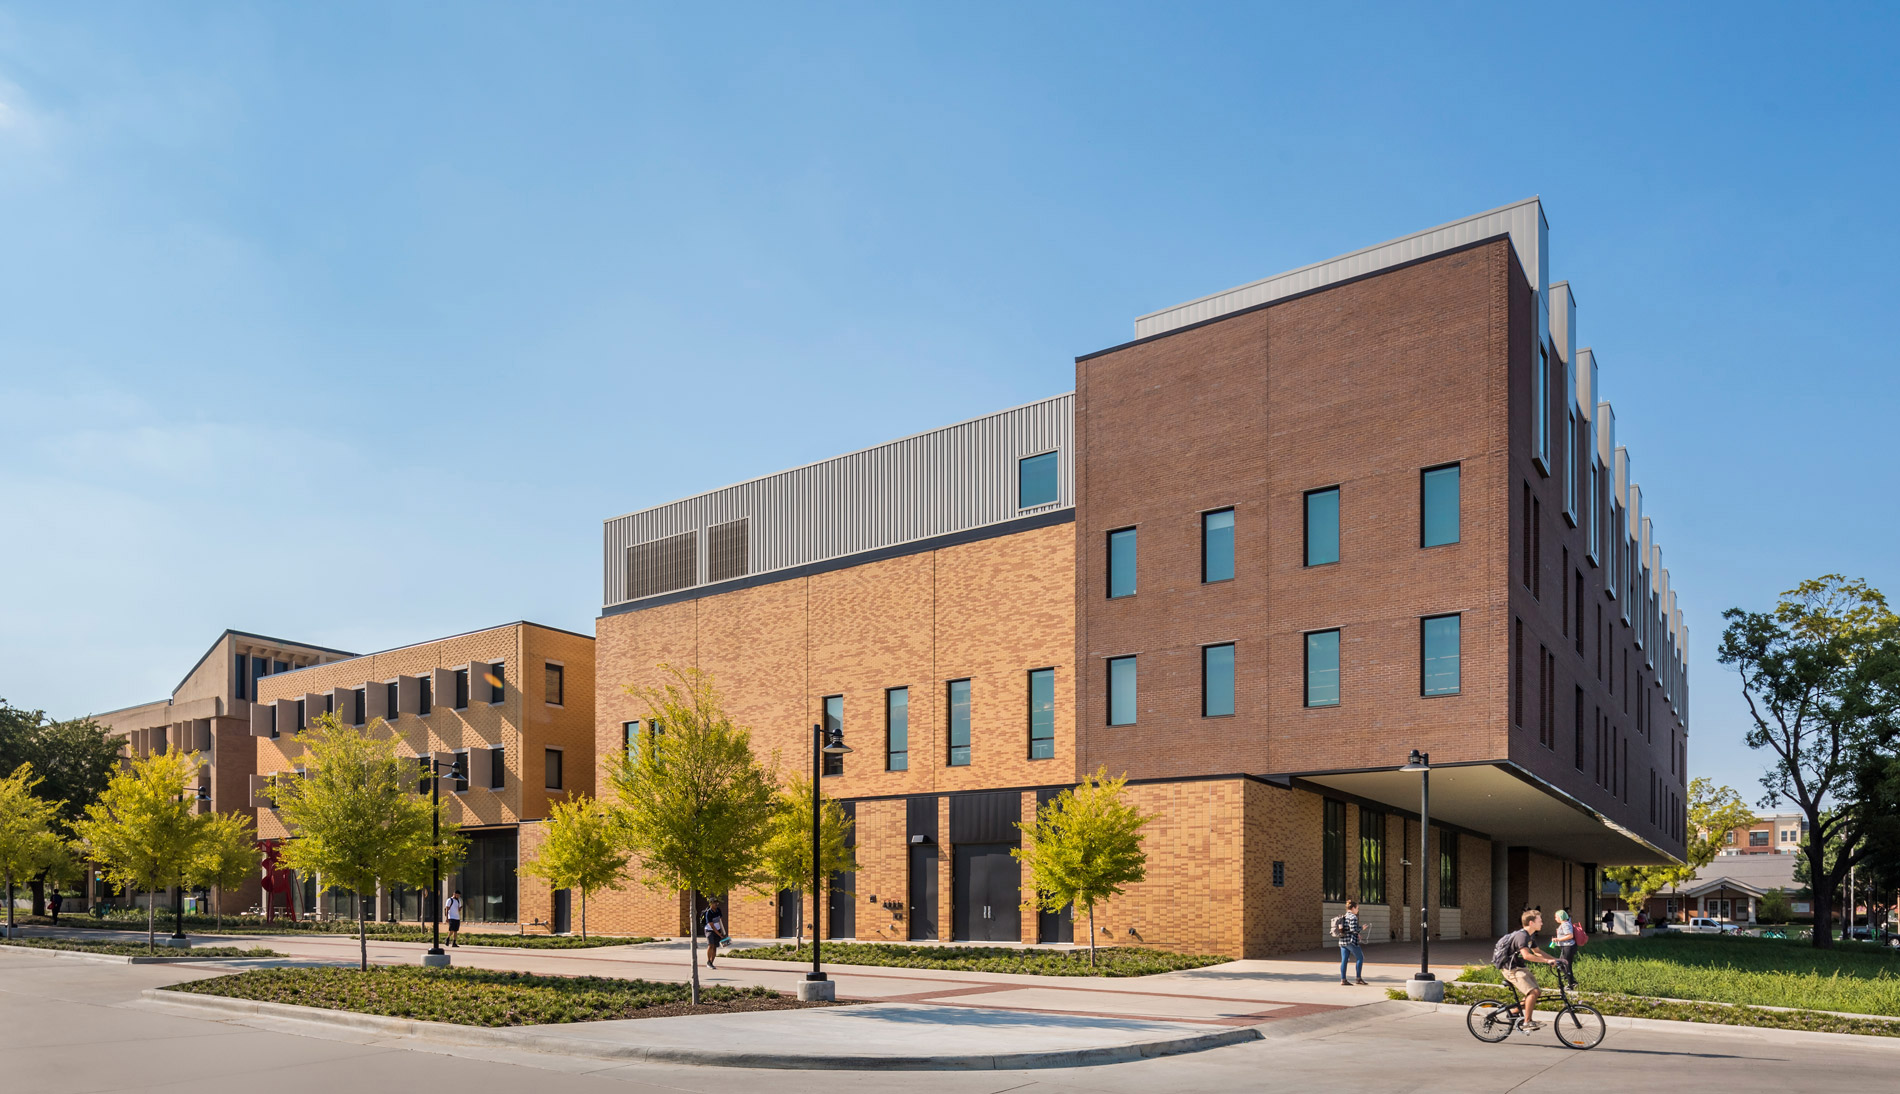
column 1500, row 887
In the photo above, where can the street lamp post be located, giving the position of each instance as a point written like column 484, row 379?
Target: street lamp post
column 1424, row 985
column 822, row 744
column 436, row 956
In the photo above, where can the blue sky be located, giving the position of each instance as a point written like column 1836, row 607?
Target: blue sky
column 351, row 324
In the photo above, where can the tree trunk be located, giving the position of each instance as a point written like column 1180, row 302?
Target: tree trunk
column 692, row 943
column 217, row 907
column 9, row 901
column 1091, row 936
column 362, row 932
column 1821, row 885
column 583, row 915
column 151, row 920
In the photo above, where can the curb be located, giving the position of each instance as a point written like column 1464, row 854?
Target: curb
column 117, row 958
column 1716, row 1029
column 484, row 1037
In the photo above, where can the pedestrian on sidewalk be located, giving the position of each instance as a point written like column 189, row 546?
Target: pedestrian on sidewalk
column 453, row 912
column 712, row 922
column 1609, row 921
column 52, row 904
column 1346, row 930
column 1566, row 937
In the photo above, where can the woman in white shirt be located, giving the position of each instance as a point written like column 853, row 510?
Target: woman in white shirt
column 453, row 912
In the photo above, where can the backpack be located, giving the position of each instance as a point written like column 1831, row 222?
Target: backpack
column 1339, row 927
column 1504, row 952
column 1580, row 936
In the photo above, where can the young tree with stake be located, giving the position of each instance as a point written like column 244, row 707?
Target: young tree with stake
column 356, row 818
column 28, row 843
column 228, row 857
column 692, row 804
column 1084, row 846
column 142, row 829
column 580, row 851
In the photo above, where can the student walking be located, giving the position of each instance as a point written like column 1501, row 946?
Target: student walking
column 1609, row 921
column 52, row 904
column 453, row 912
column 1566, row 937
column 712, row 923
column 1346, row 931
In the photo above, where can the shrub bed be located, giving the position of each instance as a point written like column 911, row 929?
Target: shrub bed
column 135, row 949
column 479, row 997
column 1624, row 1006
column 378, row 932
column 1110, row 961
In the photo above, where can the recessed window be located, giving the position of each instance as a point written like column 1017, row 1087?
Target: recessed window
column 1438, row 504
column 834, row 725
column 496, row 682
column 552, row 766
column 238, row 685
column 1217, row 545
column 958, row 697
column 1121, row 563
column 361, row 705
column 1036, row 480
column 1332, row 853
column 630, row 737
column 1042, row 714
column 1447, row 869
column 394, row 691
column 1371, row 856
column 459, row 772
column 497, row 768
column 1217, row 680
column 461, row 689
column 897, row 729
column 1438, row 665
column 425, row 703
column 555, row 686
column 1322, row 526
column 1121, row 691
column 1322, row 669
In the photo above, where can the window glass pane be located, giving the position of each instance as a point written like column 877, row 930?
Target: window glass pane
column 1441, row 506
column 630, row 737
column 497, row 768
column 1217, row 546
column 1036, row 480
column 1441, row 655
column 554, row 769
column 1121, row 563
column 897, row 729
column 1333, row 851
column 1121, row 691
column 1217, row 680
column 461, row 689
column 959, row 723
column 1322, row 527
column 834, row 720
column 1042, row 714
column 1371, row 856
column 1322, row 669
column 1447, row 869
column 555, row 685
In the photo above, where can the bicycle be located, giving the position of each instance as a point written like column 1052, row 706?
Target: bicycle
column 1578, row 1025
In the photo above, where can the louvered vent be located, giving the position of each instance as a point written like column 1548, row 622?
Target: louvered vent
column 726, row 550
column 662, row 565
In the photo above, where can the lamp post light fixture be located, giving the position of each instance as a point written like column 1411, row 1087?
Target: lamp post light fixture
column 822, row 744
column 1424, row 985
column 437, row 957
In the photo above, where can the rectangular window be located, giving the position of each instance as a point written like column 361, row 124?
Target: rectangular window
column 1517, row 672
column 1371, row 856
column 1438, row 663
column 1217, row 545
column 238, row 689
column 1322, row 526
column 260, row 667
column 553, row 768
column 279, row 666
column 1596, row 516
column 1279, row 873
column 1042, row 714
column 427, row 769
column 1333, row 852
column 361, row 706
column 1447, row 869
column 461, row 689
column 834, row 724
column 1579, row 596
column 897, row 729
column 555, row 685
column 497, row 768
column 630, row 737
column 1570, row 470
column 497, row 682
column 1540, row 410
column 1525, row 541
column 1576, row 728
column 1438, row 506
column 1121, row 563
column 1121, row 691
column 425, row 704
column 1561, row 595
column 459, row 771
column 394, row 708
column 1537, row 548
column 1322, row 669
column 1036, row 480
column 959, row 721
column 1217, row 680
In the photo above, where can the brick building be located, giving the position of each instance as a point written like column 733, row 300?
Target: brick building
column 511, row 706
column 209, row 712
column 1291, row 532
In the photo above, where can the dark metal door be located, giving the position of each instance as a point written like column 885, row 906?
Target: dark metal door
column 841, row 911
column 563, row 912
column 1056, row 926
column 986, row 889
column 922, row 908
column 788, row 909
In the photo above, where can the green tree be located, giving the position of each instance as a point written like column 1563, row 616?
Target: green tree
column 227, row 857
column 356, row 818
column 1821, row 678
column 785, row 861
column 28, row 843
column 1714, row 811
column 142, row 829
column 1084, row 846
column 693, row 805
column 75, row 758
column 1775, row 907
column 580, row 851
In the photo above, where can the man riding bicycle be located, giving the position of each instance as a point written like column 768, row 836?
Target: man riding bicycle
column 1522, row 948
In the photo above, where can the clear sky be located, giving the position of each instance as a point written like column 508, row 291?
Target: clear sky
column 350, row 323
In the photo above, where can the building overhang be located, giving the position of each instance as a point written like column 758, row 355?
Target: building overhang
column 1506, row 803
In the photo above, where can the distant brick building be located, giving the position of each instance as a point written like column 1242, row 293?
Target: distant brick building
column 1290, row 533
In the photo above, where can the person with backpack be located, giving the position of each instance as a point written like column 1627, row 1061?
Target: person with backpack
column 1511, row 956
column 1569, row 937
column 712, row 923
column 1346, row 933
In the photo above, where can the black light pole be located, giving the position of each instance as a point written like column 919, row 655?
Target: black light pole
column 435, row 892
column 178, row 910
column 821, row 744
column 1421, row 762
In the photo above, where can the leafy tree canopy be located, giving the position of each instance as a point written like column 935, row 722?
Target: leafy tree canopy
column 579, row 851
column 786, row 861
column 1714, row 811
column 1084, row 847
column 142, row 830
column 75, row 758
column 28, row 843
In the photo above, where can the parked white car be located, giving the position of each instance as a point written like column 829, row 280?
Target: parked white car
column 1701, row 925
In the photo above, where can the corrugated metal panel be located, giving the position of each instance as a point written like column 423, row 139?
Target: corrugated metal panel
column 948, row 480
column 1523, row 221
column 986, row 818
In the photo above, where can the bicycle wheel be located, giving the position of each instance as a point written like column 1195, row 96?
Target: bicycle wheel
column 1488, row 1021
column 1579, row 1026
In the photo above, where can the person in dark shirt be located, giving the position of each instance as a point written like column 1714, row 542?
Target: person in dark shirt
column 1349, row 947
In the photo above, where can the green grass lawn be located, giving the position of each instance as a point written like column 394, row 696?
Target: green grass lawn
column 1110, row 960
column 378, row 932
column 478, row 997
column 1758, row 971
column 135, row 949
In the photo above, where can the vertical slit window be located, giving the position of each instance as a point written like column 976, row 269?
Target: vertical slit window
column 1333, row 851
column 1322, row 669
column 959, row 722
column 1537, row 548
column 1447, row 869
column 834, row 724
column 1525, row 539
column 1438, row 655
column 556, row 685
column 1121, row 691
column 1121, row 563
column 1217, row 545
column 1322, row 526
column 897, row 729
column 1217, row 680
column 1371, row 856
column 1438, row 506
column 1576, row 725
column 1517, row 672
column 1042, row 714
column 361, row 705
